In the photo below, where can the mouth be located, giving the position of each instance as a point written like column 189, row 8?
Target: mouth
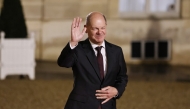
column 99, row 36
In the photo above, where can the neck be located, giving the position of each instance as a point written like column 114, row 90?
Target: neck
column 96, row 43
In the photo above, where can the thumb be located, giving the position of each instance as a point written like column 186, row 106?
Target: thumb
column 84, row 30
column 105, row 88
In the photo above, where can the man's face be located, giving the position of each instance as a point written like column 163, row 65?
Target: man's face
column 96, row 29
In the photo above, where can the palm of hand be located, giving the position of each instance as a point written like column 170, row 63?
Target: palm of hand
column 76, row 34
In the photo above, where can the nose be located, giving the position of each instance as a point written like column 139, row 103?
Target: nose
column 99, row 31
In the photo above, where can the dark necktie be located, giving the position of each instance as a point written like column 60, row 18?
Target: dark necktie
column 100, row 64
column 100, row 61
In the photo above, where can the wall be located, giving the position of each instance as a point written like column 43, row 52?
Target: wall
column 51, row 20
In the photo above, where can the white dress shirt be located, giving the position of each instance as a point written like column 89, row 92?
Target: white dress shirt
column 103, row 51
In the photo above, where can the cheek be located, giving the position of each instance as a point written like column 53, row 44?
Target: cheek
column 104, row 31
column 95, row 33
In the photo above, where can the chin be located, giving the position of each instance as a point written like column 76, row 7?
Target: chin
column 99, row 41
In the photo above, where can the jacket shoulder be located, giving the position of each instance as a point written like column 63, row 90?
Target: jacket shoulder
column 114, row 46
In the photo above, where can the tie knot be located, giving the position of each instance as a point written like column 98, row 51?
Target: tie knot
column 98, row 48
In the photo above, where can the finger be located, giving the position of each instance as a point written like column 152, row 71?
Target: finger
column 73, row 23
column 98, row 90
column 106, row 100
column 102, row 91
column 77, row 22
column 102, row 96
column 99, row 95
column 80, row 20
column 106, row 88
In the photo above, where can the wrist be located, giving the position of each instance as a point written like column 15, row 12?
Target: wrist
column 73, row 44
column 117, row 93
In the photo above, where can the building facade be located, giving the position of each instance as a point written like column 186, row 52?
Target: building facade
column 136, row 30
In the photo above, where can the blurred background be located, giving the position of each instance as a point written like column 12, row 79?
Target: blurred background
column 154, row 36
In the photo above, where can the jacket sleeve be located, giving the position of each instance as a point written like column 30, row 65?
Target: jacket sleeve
column 122, row 77
column 66, row 58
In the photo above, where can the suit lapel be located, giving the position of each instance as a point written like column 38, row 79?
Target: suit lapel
column 91, row 57
column 110, row 58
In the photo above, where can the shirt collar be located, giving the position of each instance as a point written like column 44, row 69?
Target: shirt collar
column 95, row 45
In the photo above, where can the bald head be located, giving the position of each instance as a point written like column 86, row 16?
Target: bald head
column 96, row 27
column 94, row 15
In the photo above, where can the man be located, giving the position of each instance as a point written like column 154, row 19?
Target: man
column 98, row 66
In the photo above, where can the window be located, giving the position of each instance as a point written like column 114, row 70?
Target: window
column 148, row 8
column 136, row 49
column 151, row 49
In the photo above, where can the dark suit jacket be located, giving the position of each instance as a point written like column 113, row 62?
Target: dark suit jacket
column 87, row 79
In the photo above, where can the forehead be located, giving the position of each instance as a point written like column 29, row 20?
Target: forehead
column 97, row 21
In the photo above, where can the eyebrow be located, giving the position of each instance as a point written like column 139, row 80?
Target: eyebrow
column 96, row 27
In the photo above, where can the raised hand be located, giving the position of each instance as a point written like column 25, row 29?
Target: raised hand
column 76, row 34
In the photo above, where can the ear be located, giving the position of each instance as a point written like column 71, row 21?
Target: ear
column 86, row 28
